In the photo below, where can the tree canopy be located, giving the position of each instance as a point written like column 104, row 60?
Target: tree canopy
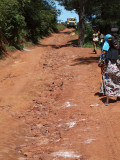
column 22, row 20
column 103, row 13
column 79, row 7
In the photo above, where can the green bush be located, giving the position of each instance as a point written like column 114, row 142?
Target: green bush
column 88, row 32
column 40, row 18
column 88, row 45
column 26, row 20
column 13, row 22
column 60, row 27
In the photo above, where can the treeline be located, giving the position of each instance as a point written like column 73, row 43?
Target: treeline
column 104, row 14
column 101, row 13
column 25, row 20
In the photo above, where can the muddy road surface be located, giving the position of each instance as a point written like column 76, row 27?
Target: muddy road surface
column 50, row 106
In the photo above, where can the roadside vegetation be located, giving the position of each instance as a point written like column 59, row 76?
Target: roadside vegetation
column 87, row 35
column 23, row 21
column 103, row 13
column 61, row 26
column 27, row 21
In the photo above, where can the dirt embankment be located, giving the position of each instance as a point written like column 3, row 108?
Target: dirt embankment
column 50, row 106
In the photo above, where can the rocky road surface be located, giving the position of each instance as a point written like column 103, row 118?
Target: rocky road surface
column 50, row 106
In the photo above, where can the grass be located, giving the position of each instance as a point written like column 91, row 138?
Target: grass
column 1, row 55
column 60, row 27
column 88, row 45
column 28, row 44
column 10, row 48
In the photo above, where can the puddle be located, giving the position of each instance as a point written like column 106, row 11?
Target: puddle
column 65, row 154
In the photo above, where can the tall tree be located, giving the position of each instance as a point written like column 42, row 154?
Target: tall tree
column 22, row 20
column 11, row 21
column 79, row 7
column 104, row 13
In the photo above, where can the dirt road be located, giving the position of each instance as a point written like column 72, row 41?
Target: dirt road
column 50, row 106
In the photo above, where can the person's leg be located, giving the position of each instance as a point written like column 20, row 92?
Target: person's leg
column 93, row 46
column 107, row 101
column 101, row 85
column 118, row 99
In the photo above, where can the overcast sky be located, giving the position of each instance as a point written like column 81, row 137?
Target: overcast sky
column 65, row 14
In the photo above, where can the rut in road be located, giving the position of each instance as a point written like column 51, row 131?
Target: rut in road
column 57, row 105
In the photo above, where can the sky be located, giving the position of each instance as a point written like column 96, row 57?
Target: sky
column 65, row 14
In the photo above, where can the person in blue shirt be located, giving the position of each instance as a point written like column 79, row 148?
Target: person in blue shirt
column 106, row 45
column 105, row 48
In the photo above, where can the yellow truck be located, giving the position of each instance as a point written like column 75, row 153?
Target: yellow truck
column 71, row 22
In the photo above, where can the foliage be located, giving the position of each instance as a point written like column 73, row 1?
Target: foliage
column 61, row 26
column 30, row 20
column 79, row 7
column 11, row 22
column 102, row 13
column 22, row 20
column 40, row 19
column 10, row 48
column 88, row 32
column 87, row 35
column 88, row 44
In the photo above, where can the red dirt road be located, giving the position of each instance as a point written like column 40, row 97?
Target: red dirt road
column 50, row 106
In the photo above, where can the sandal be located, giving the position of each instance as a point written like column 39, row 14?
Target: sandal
column 106, row 104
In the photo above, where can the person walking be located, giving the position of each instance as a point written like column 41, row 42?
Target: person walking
column 101, row 40
column 101, row 63
column 112, row 73
column 95, row 39
column 106, row 45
